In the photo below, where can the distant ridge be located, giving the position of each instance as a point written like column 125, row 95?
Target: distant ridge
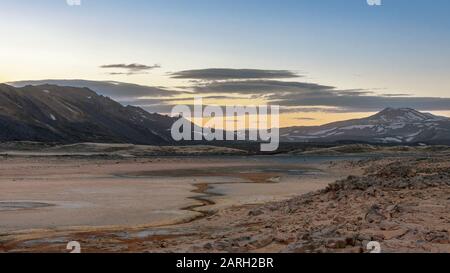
column 390, row 126
column 51, row 113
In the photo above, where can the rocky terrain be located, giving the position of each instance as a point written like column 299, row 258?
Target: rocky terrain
column 107, row 150
column 377, row 150
column 403, row 203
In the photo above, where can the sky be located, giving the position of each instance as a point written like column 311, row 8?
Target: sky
column 320, row 60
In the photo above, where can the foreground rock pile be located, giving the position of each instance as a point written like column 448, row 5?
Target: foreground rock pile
column 403, row 204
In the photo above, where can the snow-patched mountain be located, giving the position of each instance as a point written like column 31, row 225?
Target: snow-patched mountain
column 51, row 113
column 391, row 125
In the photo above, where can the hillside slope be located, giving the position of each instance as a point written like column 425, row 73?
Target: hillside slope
column 51, row 113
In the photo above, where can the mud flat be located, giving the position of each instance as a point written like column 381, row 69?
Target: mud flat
column 237, row 204
column 402, row 203
column 48, row 192
column 42, row 196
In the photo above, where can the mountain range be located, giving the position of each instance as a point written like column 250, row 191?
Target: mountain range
column 52, row 113
column 390, row 126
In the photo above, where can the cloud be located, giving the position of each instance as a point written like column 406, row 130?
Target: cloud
column 117, row 90
column 313, row 97
column 258, row 87
column 397, row 95
column 336, row 102
column 292, row 96
column 130, row 69
column 158, row 108
column 213, row 74
column 307, row 119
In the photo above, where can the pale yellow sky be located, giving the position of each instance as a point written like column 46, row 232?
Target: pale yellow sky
column 50, row 40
